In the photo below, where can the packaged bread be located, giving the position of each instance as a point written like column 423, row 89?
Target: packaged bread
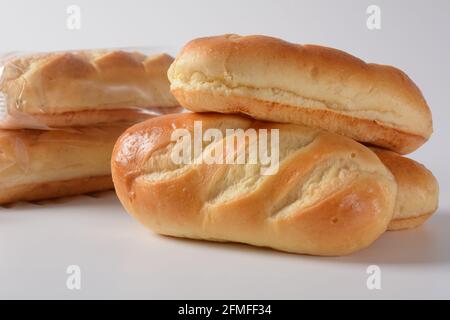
column 45, row 164
column 83, row 88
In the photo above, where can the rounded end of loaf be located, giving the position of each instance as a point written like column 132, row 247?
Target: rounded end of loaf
column 408, row 223
column 418, row 190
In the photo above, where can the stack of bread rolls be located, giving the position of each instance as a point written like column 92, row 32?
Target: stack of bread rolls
column 61, row 114
column 343, row 127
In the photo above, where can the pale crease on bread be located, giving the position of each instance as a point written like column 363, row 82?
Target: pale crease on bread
column 84, row 88
column 44, row 164
column 331, row 195
column 273, row 80
column 418, row 190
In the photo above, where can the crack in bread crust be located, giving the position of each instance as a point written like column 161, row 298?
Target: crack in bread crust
column 363, row 130
column 281, row 96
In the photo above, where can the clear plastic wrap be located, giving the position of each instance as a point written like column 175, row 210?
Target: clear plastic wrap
column 43, row 164
column 84, row 88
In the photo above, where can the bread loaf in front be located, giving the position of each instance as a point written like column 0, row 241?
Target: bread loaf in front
column 330, row 196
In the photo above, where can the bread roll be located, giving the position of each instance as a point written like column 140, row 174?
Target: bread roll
column 43, row 164
column 84, row 88
column 330, row 196
column 270, row 79
column 418, row 190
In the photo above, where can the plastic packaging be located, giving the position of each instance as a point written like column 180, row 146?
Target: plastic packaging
column 43, row 164
column 84, row 88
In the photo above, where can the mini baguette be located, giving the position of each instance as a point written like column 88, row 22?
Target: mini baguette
column 44, row 164
column 273, row 80
column 418, row 190
column 331, row 195
column 84, row 88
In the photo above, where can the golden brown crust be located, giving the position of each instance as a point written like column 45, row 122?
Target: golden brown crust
column 418, row 190
column 258, row 75
column 39, row 164
column 47, row 87
column 330, row 196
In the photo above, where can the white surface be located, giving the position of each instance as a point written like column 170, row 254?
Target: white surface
column 120, row 259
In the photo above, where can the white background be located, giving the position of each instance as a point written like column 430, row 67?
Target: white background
column 120, row 259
